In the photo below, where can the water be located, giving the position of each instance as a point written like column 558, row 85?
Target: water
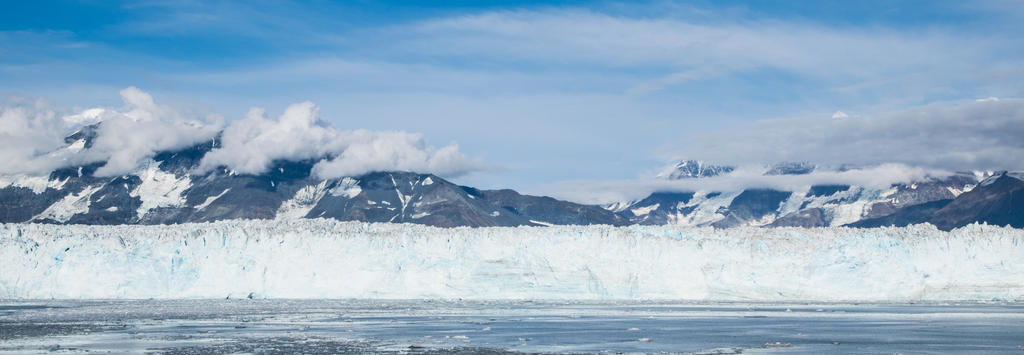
column 478, row 327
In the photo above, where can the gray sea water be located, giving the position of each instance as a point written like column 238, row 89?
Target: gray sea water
column 477, row 327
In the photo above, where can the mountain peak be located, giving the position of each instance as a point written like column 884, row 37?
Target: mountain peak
column 791, row 168
column 692, row 169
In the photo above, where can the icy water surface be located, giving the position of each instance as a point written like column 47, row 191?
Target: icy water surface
column 455, row 327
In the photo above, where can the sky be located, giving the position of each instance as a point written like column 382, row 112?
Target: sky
column 530, row 95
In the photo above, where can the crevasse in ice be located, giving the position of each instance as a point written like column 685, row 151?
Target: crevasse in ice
column 332, row 259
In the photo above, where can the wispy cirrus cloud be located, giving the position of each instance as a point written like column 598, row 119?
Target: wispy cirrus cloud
column 674, row 50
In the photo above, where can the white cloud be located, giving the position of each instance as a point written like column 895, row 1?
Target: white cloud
column 32, row 134
column 126, row 139
column 30, row 130
column 32, row 140
column 251, row 145
column 677, row 50
column 607, row 191
column 966, row 135
column 840, row 115
column 368, row 151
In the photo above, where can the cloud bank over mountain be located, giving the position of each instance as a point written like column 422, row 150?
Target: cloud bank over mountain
column 32, row 140
column 29, row 131
column 981, row 134
column 251, row 144
column 744, row 177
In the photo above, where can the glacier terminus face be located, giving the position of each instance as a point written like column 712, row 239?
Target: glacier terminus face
column 320, row 258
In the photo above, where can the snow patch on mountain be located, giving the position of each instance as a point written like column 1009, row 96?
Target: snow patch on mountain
column 643, row 211
column 76, row 146
column 347, row 187
column 617, row 206
column 794, row 202
column 37, row 184
column 69, row 206
column 686, row 169
column 706, row 207
column 210, row 199
column 957, row 191
column 303, row 201
column 159, row 189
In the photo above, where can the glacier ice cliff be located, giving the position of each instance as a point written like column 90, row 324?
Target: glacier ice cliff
column 320, row 258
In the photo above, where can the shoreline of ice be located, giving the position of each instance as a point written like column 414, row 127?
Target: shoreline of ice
column 310, row 259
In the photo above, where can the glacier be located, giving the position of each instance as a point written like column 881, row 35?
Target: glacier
column 321, row 258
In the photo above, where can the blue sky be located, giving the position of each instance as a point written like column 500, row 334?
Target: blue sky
column 540, row 92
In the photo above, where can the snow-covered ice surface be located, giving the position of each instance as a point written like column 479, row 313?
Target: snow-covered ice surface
column 331, row 259
column 504, row 327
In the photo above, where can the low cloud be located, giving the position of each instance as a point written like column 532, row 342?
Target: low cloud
column 30, row 133
column 127, row 138
column 381, row 151
column 32, row 142
column 608, row 191
column 967, row 135
column 251, row 145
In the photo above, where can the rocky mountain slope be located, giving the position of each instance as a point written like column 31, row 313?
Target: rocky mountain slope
column 166, row 191
column 947, row 202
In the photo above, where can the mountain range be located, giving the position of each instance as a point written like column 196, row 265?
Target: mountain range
column 946, row 202
column 168, row 190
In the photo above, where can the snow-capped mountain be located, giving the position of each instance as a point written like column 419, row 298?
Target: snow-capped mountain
column 947, row 202
column 693, row 169
column 167, row 191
